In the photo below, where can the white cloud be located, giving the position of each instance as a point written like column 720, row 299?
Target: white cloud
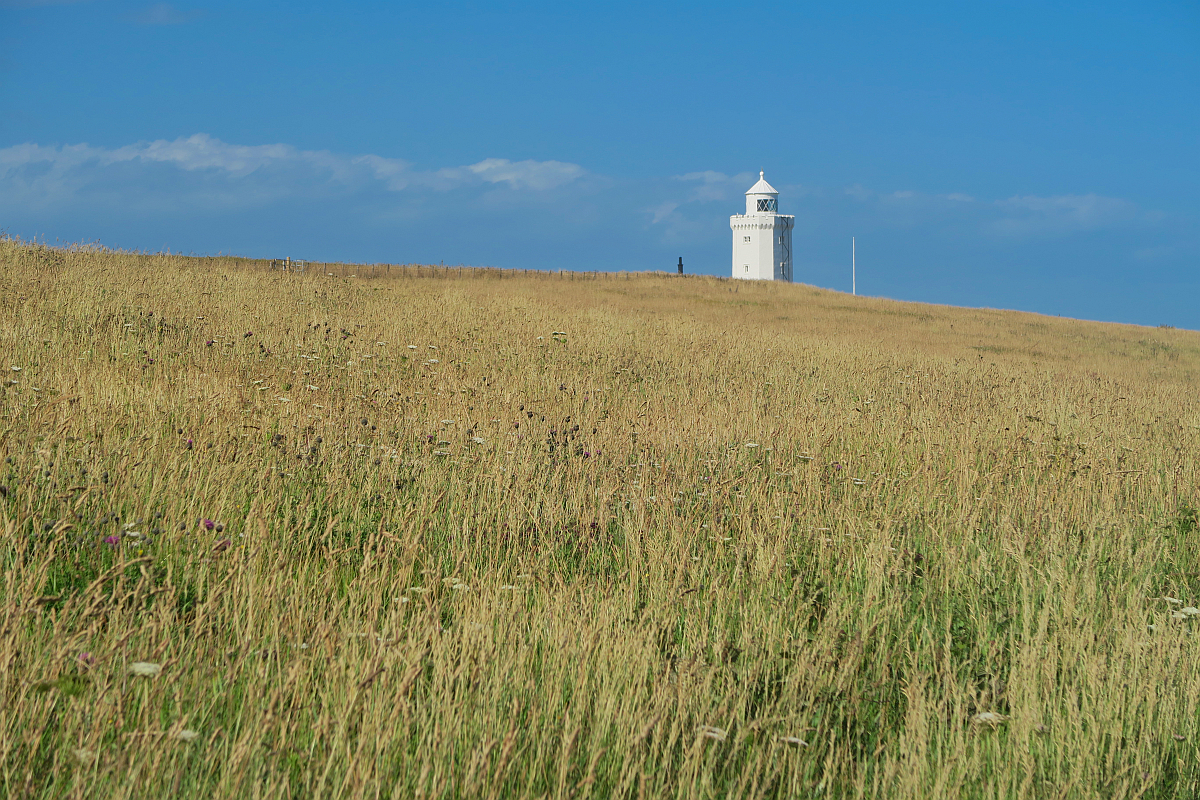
column 959, row 197
column 712, row 185
column 538, row 175
column 859, row 192
column 240, row 175
column 662, row 211
column 1061, row 214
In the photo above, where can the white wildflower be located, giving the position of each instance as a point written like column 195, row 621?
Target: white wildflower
column 477, row 439
column 989, row 718
column 1191, row 611
column 187, row 735
column 145, row 669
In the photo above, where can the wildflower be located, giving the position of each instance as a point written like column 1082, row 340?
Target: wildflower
column 709, row 732
column 145, row 669
column 793, row 740
column 1191, row 611
column 1173, row 601
column 189, row 444
column 1179, row 615
column 989, row 718
column 460, row 586
column 209, row 343
column 477, row 439
column 412, row 347
column 16, row 369
column 112, row 540
column 85, row 659
column 187, row 735
column 751, row 444
column 208, row 524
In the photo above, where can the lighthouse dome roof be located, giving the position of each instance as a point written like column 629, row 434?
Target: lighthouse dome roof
column 762, row 187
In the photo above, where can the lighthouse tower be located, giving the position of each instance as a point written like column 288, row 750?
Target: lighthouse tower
column 762, row 237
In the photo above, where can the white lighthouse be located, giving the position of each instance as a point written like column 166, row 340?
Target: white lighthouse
column 762, row 237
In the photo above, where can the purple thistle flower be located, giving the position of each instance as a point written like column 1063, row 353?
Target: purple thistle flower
column 209, row 343
column 86, row 659
column 208, row 524
column 112, row 540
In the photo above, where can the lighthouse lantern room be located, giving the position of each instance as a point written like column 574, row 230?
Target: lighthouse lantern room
column 762, row 237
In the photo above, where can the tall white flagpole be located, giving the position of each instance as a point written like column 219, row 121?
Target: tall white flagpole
column 853, row 270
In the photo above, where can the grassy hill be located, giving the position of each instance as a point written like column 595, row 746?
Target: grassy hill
column 457, row 533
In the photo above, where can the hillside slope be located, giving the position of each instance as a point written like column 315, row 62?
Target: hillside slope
column 492, row 534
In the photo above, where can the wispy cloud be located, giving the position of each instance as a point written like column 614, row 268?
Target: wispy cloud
column 164, row 14
column 1059, row 214
column 241, row 175
column 711, row 185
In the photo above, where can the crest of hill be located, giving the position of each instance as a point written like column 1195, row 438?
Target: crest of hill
column 771, row 313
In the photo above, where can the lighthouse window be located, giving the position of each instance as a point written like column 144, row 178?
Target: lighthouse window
column 747, row 268
column 768, row 205
column 746, row 239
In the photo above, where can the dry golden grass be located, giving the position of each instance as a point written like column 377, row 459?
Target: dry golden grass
column 720, row 539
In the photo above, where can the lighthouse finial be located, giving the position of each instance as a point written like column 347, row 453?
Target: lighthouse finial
column 760, row 175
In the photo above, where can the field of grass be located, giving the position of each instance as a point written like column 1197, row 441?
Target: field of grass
column 496, row 535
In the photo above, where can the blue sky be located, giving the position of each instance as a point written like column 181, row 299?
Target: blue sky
column 1039, row 156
